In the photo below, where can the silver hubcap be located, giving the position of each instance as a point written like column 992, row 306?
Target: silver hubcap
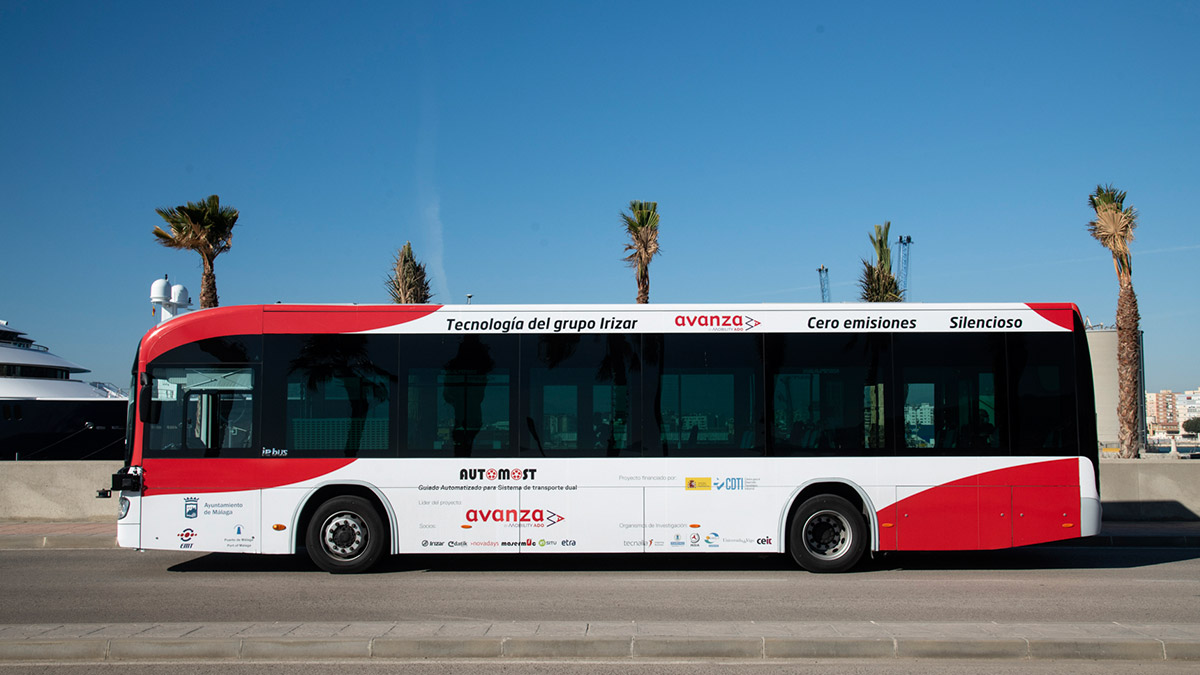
column 827, row 535
column 344, row 535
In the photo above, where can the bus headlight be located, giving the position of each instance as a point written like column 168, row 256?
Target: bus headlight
column 122, row 508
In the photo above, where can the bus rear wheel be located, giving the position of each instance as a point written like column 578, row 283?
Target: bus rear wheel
column 345, row 535
column 827, row 534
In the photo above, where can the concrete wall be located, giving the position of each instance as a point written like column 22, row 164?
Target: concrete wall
column 1131, row 489
column 1150, row 489
column 56, row 491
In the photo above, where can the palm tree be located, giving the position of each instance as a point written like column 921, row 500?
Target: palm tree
column 407, row 284
column 641, row 224
column 204, row 227
column 1113, row 228
column 878, row 282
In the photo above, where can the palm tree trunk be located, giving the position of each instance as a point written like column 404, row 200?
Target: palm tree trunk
column 208, row 285
column 643, row 282
column 1129, row 359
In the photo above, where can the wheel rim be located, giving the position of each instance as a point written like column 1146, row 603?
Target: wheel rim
column 345, row 535
column 827, row 535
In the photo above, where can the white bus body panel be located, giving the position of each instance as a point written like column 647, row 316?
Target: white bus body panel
column 568, row 505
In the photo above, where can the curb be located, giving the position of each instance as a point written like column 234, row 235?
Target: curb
column 648, row 648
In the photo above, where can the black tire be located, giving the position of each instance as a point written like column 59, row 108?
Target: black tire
column 827, row 534
column 345, row 535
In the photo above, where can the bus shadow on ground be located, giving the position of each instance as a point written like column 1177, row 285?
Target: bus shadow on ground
column 1031, row 558
column 1045, row 557
column 556, row 562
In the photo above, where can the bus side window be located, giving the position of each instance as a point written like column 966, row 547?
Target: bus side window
column 1044, row 408
column 708, row 401
column 952, row 392
column 828, row 394
column 201, row 412
column 332, row 395
column 460, row 396
column 218, row 421
column 576, row 394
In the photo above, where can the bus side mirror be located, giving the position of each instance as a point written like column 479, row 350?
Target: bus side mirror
column 123, row 481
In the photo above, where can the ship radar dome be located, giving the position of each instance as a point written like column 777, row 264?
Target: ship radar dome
column 160, row 290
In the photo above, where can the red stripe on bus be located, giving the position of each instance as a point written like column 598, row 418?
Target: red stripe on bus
column 1060, row 314
column 1021, row 505
column 200, row 325
column 339, row 319
column 266, row 319
column 175, row 476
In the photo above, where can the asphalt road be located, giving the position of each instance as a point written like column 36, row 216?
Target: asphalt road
column 1044, row 585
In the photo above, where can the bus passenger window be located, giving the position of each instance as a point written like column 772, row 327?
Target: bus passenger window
column 1044, row 415
column 339, row 389
column 576, row 394
column 952, row 393
column 459, row 395
column 709, row 398
column 827, row 394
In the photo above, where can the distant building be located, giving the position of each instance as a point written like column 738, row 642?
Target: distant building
column 1162, row 417
column 1187, row 406
column 919, row 415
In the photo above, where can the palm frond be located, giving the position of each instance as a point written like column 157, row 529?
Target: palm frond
column 408, row 284
column 641, row 225
column 205, row 227
column 1114, row 225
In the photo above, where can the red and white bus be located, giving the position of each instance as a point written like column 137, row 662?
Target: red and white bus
column 823, row 431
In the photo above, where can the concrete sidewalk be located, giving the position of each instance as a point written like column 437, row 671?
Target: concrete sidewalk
column 600, row 640
column 50, row 534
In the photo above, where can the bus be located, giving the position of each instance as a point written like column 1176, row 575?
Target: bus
column 823, row 431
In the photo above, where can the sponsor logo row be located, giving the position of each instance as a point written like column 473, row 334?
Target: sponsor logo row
column 528, row 542
column 694, row 540
column 730, row 484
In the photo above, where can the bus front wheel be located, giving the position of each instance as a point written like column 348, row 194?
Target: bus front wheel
column 827, row 534
column 345, row 535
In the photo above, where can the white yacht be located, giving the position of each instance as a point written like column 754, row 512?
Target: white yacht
column 46, row 415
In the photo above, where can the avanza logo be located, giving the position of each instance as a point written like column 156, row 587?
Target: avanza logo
column 544, row 517
column 497, row 474
column 734, row 322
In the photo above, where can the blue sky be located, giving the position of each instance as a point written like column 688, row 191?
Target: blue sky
column 504, row 138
